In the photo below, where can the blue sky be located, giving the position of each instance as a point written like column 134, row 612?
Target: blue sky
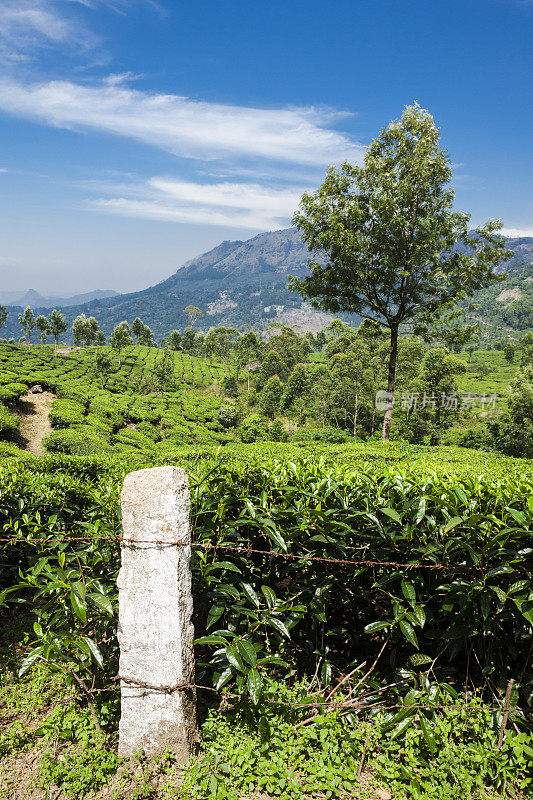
column 135, row 134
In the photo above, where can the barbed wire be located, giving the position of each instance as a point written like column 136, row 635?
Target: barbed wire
column 247, row 550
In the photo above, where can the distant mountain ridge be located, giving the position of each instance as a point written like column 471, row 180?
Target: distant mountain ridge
column 245, row 283
column 34, row 299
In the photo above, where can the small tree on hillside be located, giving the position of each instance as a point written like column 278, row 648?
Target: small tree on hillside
column 385, row 235
column 163, row 372
column 192, row 313
column 43, row 326
column 173, row 341
column 27, row 323
column 296, row 393
column 509, row 352
column 437, row 402
column 137, row 328
column 102, row 365
column 4, row 313
column 80, row 330
column 271, row 396
column 121, row 338
column 146, row 337
column 58, row 326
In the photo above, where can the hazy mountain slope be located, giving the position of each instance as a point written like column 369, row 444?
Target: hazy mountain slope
column 245, row 283
column 34, row 299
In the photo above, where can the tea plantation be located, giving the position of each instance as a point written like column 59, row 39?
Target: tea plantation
column 363, row 610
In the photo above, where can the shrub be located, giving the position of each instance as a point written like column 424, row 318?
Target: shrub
column 134, row 438
column 81, row 441
column 253, row 428
column 230, row 387
column 65, row 413
column 278, row 432
column 228, row 416
column 8, row 422
column 10, row 392
column 327, row 434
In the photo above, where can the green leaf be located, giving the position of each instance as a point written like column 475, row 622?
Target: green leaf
column 79, row 588
column 409, row 592
column 419, row 615
column 247, row 651
column 224, row 565
column 233, row 656
column 409, row 632
column 251, row 594
column 390, row 512
column 325, row 673
column 224, row 678
column 452, row 523
column 79, row 608
column 97, row 655
column 102, row 602
column 421, row 510
column 428, row 735
column 277, row 538
column 279, row 626
column 30, row 660
column 376, row 626
column 270, row 597
column 419, row 659
column 255, row 685
column 215, row 612
column 211, row 639
column 518, row 516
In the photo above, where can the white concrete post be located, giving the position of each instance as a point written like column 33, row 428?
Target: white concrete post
column 155, row 632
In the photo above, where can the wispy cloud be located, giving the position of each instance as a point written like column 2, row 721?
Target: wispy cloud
column 233, row 205
column 28, row 25
column 183, row 126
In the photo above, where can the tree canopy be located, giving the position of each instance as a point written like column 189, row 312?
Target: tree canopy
column 386, row 240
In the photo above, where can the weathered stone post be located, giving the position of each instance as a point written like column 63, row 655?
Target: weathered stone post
column 155, row 632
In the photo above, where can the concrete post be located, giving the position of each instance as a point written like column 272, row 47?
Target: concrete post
column 155, row 632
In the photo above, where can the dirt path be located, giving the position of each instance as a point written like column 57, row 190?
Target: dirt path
column 33, row 410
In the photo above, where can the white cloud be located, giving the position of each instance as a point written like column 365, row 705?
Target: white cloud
column 517, row 232
column 27, row 25
column 183, row 126
column 233, row 205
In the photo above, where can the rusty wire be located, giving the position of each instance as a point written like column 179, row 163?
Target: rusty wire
column 248, row 550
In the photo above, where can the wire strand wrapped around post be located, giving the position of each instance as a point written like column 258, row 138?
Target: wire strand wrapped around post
column 155, row 632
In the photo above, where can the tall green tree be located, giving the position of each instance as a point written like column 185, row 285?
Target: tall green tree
column 43, row 326
column 103, row 365
column 121, row 338
column 4, row 313
column 27, row 323
column 437, row 403
column 58, row 325
column 163, row 372
column 192, row 313
column 137, row 328
column 173, row 341
column 388, row 244
column 509, row 352
column 270, row 397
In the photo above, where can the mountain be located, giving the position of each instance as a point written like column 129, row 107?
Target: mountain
column 245, row 283
column 36, row 300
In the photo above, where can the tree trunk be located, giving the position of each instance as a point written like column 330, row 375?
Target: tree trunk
column 355, row 415
column 390, row 383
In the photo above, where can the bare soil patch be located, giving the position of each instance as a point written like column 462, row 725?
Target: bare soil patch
column 33, row 411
